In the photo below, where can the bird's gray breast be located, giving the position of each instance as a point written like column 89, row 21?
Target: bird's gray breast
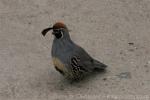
column 62, row 50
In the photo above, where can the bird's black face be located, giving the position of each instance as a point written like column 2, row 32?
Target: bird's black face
column 58, row 33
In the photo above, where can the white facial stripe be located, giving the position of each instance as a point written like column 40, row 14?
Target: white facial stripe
column 62, row 34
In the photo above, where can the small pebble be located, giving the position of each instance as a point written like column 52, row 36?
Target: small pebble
column 131, row 43
column 29, row 23
column 104, row 79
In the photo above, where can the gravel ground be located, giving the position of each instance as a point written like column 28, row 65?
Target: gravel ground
column 116, row 32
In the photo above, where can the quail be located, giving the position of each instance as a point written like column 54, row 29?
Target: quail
column 71, row 60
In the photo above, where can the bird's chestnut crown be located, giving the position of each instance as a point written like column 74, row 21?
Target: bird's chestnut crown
column 59, row 25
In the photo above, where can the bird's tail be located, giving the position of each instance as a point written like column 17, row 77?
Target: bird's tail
column 99, row 66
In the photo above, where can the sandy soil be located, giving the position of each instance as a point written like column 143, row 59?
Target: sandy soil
column 116, row 32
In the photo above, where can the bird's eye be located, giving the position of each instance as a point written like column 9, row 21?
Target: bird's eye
column 57, row 31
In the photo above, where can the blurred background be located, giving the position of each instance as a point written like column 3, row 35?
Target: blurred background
column 116, row 32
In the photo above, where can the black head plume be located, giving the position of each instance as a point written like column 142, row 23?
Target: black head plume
column 46, row 30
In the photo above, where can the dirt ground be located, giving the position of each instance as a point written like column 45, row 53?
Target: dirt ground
column 116, row 32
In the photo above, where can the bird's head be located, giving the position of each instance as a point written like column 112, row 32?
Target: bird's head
column 59, row 30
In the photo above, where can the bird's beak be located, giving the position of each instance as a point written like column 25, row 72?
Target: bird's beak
column 46, row 30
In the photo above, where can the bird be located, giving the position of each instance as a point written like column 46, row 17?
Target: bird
column 70, row 59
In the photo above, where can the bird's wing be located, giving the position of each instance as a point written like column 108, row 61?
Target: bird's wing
column 81, row 60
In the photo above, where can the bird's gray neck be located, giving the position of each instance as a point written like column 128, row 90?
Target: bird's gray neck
column 64, row 42
column 62, row 45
